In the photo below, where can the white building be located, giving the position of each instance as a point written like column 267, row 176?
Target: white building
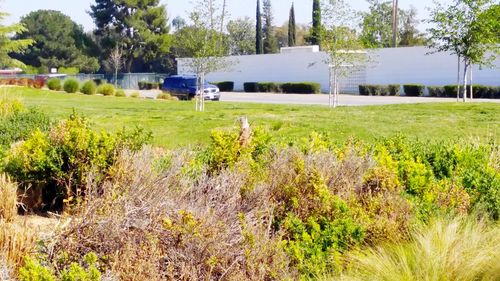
column 412, row 65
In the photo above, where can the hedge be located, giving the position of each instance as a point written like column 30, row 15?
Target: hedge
column 414, row 90
column 145, row 85
column 380, row 90
column 269, row 87
column 436, row 91
column 251, row 87
column 301, row 88
column 479, row 91
column 225, row 86
column 71, row 86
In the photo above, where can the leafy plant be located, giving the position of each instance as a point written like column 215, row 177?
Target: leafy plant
column 71, row 86
column 106, row 89
column 89, row 88
column 54, row 84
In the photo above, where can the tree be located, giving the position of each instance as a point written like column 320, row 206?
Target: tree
column 59, row 42
column 314, row 39
column 378, row 26
column 138, row 27
column 302, row 34
column 10, row 46
column 241, row 36
column 114, row 63
column 178, row 23
column 204, row 41
column 465, row 28
column 292, row 34
column 395, row 16
column 259, row 43
column 341, row 43
column 270, row 43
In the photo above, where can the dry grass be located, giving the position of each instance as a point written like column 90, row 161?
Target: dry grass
column 8, row 199
column 16, row 241
column 459, row 249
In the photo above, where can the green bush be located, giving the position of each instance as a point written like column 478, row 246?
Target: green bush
column 394, row 89
column 34, row 271
column 120, row 93
column 60, row 161
column 89, row 88
column 251, row 87
column 135, row 95
column 106, row 89
column 301, row 88
column 414, row 90
column 374, row 90
column 20, row 125
column 99, row 81
column 9, row 106
column 68, row 70
column 436, row 91
column 226, row 86
column 269, row 87
column 450, row 91
column 71, row 86
column 54, row 84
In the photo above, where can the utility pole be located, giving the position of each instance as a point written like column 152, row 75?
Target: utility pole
column 395, row 23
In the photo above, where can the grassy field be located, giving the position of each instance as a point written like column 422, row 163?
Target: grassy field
column 177, row 124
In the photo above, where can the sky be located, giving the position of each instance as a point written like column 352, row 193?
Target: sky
column 77, row 9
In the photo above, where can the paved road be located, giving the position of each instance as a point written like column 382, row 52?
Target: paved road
column 344, row 100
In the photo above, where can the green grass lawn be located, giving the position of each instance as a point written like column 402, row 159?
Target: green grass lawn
column 177, row 124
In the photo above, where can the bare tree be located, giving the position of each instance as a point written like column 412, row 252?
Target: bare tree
column 115, row 63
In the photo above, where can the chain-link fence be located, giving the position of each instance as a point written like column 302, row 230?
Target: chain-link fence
column 124, row 80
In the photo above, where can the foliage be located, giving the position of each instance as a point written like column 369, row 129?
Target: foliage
column 259, row 39
column 315, row 38
column 89, row 88
column 139, row 28
column 225, row 86
column 269, row 87
column 413, row 90
column 301, row 88
column 59, row 43
column 241, row 36
column 68, row 70
column 269, row 40
column 447, row 249
column 8, row 199
column 437, row 91
column 71, row 85
column 377, row 26
column 34, row 271
column 54, row 84
column 145, row 85
column 135, row 95
column 120, row 93
column 106, row 89
column 251, row 87
column 16, row 241
column 60, row 161
column 292, row 34
column 9, row 45
column 9, row 106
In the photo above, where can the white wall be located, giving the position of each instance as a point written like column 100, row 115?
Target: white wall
column 386, row 66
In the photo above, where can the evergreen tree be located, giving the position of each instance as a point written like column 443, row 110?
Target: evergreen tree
column 138, row 27
column 316, row 28
column 292, row 34
column 259, row 44
column 9, row 46
column 270, row 42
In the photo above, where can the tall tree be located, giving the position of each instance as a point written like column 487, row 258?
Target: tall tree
column 241, row 36
column 314, row 39
column 462, row 29
column 270, row 42
column 10, row 46
column 259, row 43
column 59, row 42
column 178, row 23
column 138, row 27
column 292, row 34
column 377, row 26
column 395, row 16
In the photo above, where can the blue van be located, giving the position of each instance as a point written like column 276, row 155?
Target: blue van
column 184, row 88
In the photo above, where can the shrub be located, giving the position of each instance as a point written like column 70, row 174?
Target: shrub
column 374, row 90
column 145, row 85
column 135, row 95
column 301, row 88
column 106, row 89
column 54, row 84
column 165, row 96
column 450, row 91
column 460, row 249
column 436, row 91
column 226, row 86
column 16, row 241
column 269, row 87
column 251, row 87
column 68, row 70
column 89, row 88
column 20, row 125
column 394, row 89
column 38, row 83
column 34, row 271
column 8, row 199
column 99, row 81
column 120, row 93
column 9, row 106
column 71, row 86
column 414, row 90
column 363, row 90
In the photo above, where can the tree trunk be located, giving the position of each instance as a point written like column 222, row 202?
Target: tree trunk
column 458, row 80
column 330, row 94
column 466, row 68
column 395, row 23
column 471, row 87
